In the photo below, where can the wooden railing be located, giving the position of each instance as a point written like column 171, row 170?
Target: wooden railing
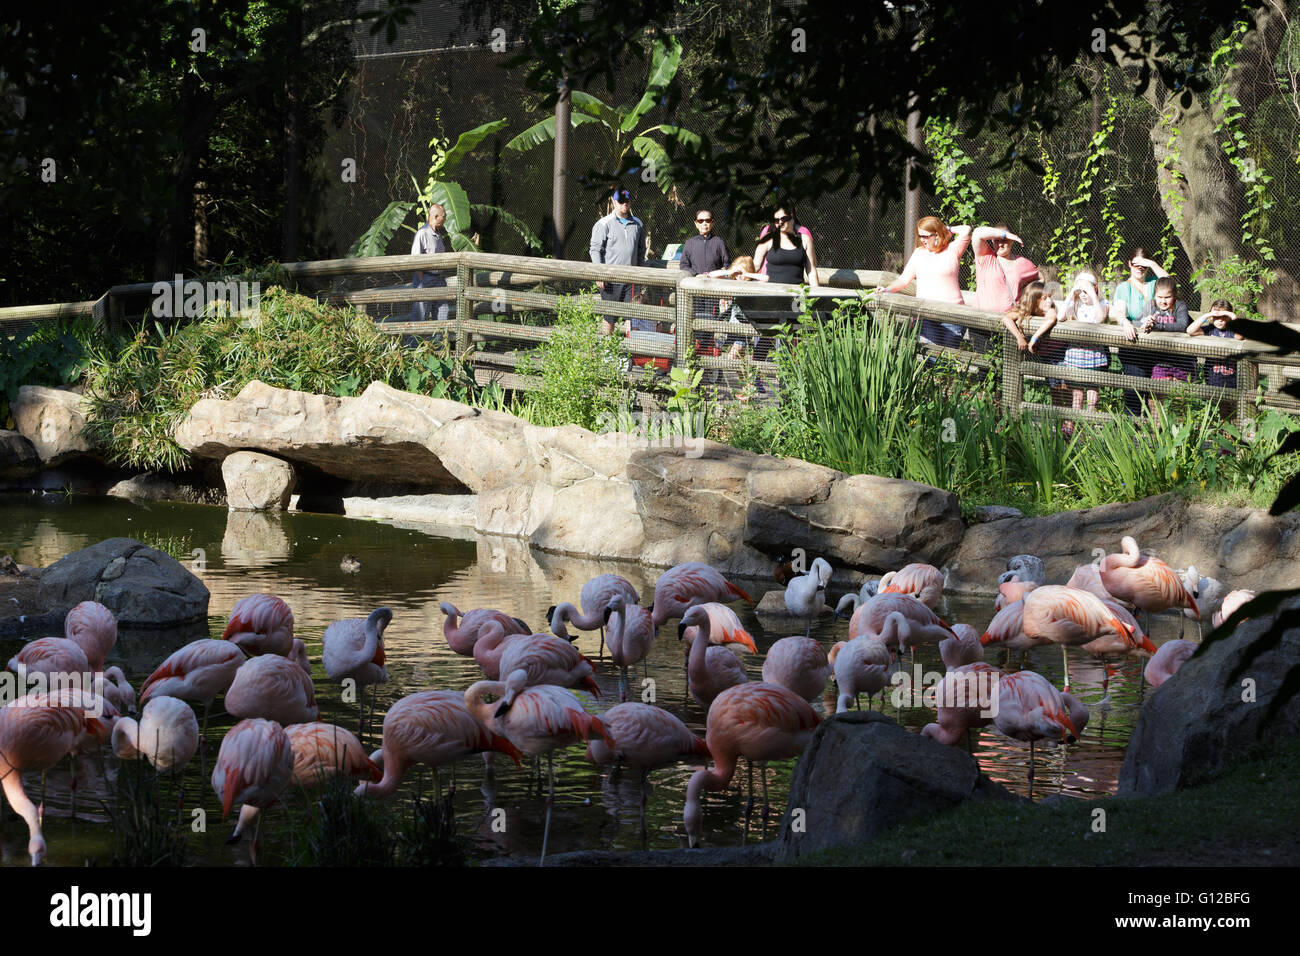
column 495, row 296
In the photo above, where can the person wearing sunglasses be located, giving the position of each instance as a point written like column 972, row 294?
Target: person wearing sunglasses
column 619, row 239
column 785, row 253
column 706, row 252
column 933, row 266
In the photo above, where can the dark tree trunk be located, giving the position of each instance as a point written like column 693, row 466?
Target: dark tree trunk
column 292, row 135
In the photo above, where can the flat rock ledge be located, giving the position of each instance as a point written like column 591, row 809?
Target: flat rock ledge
column 569, row 491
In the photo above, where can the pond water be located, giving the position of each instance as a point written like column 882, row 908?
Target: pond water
column 411, row 570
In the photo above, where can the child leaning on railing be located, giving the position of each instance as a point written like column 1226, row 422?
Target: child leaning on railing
column 1218, row 372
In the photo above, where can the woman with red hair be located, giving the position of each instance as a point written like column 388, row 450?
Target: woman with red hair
column 933, row 266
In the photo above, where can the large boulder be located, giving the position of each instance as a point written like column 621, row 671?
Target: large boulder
column 863, row 774
column 52, row 420
column 735, row 509
column 1240, row 546
column 18, row 455
column 1196, row 723
column 143, row 587
column 256, row 482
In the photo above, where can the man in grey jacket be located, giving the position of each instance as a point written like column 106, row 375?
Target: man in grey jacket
column 431, row 238
column 619, row 240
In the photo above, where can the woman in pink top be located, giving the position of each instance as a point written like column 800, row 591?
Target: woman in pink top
column 934, row 266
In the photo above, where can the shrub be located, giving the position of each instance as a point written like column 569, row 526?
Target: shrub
column 581, row 371
column 139, row 393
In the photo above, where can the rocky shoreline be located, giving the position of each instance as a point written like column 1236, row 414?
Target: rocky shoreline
column 400, row 456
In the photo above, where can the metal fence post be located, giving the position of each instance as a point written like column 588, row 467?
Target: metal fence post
column 1013, row 380
column 464, row 277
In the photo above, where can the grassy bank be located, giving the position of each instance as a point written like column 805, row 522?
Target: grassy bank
column 1246, row 817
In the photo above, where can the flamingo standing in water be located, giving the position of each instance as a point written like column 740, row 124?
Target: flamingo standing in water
column 918, row 624
column 492, row 644
column 94, row 628
column 1145, row 582
column 805, row 595
column 353, row 649
column 167, row 734
column 1087, row 577
column 49, row 655
column 1123, row 643
column 963, row 648
column 261, row 624
column 965, row 698
column 861, row 666
column 648, row 738
column 321, row 752
column 711, row 670
column 538, row 720
column 197, row 672
column 595, row 597
column 254, row 766
column 433, row 727
column 1031, row 709
column 1066, row 616
column 758, row 721
column 631, row 636
column 922, row 581
column 36, row 732
column 462, row 636
column 1167, row 660
column 798, row 664
column 274, row 688
column 549, row 660
column 682, row 587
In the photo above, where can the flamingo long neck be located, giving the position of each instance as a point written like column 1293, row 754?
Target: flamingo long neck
column 585, row 622
column 394, row 770
column 697, row 670
column 453, row 632
column 371, row 643
column 898, row 625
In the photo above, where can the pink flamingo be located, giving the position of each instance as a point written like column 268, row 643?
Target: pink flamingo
column 963, row 698
column 197, row 672
column 353, row 649
column 1145, row 582
column 167, row 734
column 549, row 660
column 922, row 581
column 758, row 721
column 537, row 720
column 94, row 628
column 1031, row 709
column 1007, row 629
column 861, row 666
column 1122, row 643
column 434, row 727
column 254, row 766
column 711, row 670
column 462, row 637
column 1166, row 662
column 648, row 738
column 321, row 752
column 595, row 596
column 1232, row 603
column 261, row 624
column 916, row 623
column 682, row 587
column 1066, row 616
column 963, row 648
column 1011, row 591
column 1087, row 577
column 274, row 688
column 492, row 644
column 798, row 664
column 50, row 655
column 631, row 636
column 36, row 732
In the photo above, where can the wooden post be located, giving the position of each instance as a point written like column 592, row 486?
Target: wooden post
column 685, row 320
column 464, row 278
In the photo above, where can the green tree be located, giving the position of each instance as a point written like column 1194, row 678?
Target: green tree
column 629, row 144
column 441, row 189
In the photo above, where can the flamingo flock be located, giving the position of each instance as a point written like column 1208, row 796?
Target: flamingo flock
column 539, row 693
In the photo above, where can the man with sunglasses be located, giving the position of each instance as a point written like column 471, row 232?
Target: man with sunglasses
column 706, row 252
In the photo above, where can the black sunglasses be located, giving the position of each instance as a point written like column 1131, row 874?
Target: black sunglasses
column 780, row 219
column 704, row 220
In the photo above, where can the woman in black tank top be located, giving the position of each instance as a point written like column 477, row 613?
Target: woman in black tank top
column 787, row 253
